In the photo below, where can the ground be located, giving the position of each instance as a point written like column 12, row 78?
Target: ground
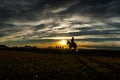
column 26, row 65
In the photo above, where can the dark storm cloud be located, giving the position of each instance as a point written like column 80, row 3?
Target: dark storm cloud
column 53, row 3
column 15, row 8
column 4, row 14
column 29, row 9
column 33, row 10
column 95, row 8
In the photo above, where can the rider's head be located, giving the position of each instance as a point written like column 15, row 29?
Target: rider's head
column 72, row 37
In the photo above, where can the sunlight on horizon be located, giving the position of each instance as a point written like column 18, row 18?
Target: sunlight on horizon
column 63, row 42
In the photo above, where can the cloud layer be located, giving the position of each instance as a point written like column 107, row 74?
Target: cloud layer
column 38, row 21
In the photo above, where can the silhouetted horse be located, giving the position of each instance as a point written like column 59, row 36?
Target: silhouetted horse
column 72, row 45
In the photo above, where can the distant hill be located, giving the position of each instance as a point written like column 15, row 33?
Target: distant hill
column 3, row 46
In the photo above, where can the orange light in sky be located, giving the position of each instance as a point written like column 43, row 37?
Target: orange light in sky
column 63, row 42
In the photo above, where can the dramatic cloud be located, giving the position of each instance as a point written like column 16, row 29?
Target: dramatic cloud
column 38, row 21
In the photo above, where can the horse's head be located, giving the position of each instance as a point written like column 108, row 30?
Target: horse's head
column 68, row 42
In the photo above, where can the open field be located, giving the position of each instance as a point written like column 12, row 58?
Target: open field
column 27, row 65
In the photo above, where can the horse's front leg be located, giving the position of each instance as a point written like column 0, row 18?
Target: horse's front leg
column 69, row 47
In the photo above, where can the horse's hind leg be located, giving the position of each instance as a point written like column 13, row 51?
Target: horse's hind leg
column 70, row 48
column 75, row 48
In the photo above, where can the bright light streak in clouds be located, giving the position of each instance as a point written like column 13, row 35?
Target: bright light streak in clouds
column 82, row 37
column 33, row 23
column 59, row 10
column 114, row 19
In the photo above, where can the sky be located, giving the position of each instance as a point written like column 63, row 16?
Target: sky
column 93, row 23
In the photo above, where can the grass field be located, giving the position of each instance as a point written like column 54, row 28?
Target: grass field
column 26, row 65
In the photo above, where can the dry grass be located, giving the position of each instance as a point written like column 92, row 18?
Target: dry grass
column 41, row 66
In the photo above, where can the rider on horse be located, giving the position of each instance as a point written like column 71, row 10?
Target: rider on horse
column 72, row 40
column 72, row 44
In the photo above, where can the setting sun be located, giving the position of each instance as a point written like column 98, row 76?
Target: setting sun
column 63, row 42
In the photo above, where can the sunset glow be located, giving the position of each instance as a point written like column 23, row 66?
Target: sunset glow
column 63, row 42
